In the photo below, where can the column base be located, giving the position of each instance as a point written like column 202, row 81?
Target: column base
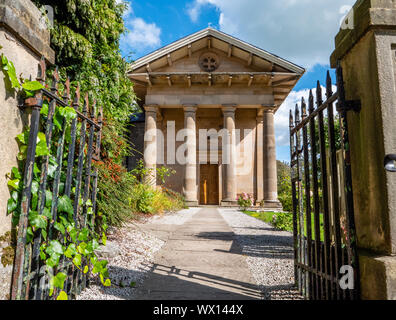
column 273, row 204
column 192, row 203
column 229, row 203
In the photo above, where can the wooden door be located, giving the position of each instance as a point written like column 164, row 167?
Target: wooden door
column 209, row 184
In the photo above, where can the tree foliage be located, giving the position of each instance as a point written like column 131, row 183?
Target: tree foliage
column 85, row 36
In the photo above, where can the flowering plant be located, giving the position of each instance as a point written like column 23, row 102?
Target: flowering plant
column 245, row 201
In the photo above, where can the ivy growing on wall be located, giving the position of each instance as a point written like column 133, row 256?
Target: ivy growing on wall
column 85, row 36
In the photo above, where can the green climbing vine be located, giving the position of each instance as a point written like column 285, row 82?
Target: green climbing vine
column 71, row 239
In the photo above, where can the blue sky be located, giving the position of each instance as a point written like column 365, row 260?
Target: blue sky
column 301, row 31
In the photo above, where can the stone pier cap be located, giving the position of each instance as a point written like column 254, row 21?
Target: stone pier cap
column 365, row 15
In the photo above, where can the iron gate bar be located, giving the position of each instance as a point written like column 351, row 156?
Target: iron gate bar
column 334, row 181
column 316, row 206
column 29, row 280
column 325, row 190
column 350, row 225
column 316, row 111
column 18, row 275
column 294, row 197
column 308, row 198
column 36, row 263
column 317, row 262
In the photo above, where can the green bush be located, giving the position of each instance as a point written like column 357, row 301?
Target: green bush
column 283, row 221
column 142, row 198
column 284, row 186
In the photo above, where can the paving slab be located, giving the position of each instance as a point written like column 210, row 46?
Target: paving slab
column 200, row 261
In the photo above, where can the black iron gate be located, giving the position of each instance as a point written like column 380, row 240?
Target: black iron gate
column 72, row 176
column 326, row 264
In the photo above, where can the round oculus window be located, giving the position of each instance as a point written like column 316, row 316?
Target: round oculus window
column 209, row 62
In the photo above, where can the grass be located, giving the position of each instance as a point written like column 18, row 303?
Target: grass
column 284, row 221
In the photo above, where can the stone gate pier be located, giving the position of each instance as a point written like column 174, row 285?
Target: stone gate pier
column 366, row 48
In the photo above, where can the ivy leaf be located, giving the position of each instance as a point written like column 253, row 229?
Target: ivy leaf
column 47, row 213
column 23, row 137
column 86, row 269
column 104, row 238
column 37, row 221
column 58, row 281
column 82, row 248
column 48, row 198
column 11, row 205
column 54, row 247
column 44, row 234
column 44, row 108
column 71, row 251
column 29, row 234
column 15, row 173
column 77, row 260
column 58, row 226
column 22, row 153
column 62, row 296
column 32, row 85
column 9, row 68
column 53, row 260
column 68, row 113
column 83, row 235
column 14, row 184
column 65, row 205
column 43, row 256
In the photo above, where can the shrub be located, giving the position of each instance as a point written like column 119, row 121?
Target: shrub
column 115, row 185
column 245, row 201
column 283, row 221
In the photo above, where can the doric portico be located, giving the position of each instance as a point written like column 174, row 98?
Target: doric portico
column 209, row 102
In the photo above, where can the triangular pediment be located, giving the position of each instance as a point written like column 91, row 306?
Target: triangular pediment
column 230, row 62
column 213, row 39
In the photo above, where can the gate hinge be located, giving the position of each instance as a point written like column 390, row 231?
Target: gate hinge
column 349, row 105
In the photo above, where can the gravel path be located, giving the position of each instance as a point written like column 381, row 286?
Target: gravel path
column 131, row 257
column 269, row 254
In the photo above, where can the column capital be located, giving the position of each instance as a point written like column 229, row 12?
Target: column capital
column 260, row 113
column 151, row 108
column 228, row 108
column 271, row 111
column 190, row 107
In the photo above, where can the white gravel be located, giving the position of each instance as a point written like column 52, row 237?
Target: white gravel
column 129, row 268
column 269, row 254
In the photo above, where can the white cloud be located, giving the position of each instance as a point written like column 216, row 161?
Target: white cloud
column 302, row 31
column 141, row 35
column 282, row 116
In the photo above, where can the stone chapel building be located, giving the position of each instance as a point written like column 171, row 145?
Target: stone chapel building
column 225, row 92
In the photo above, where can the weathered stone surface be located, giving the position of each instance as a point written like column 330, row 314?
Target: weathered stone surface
column 368, row 57
column 110, row 250
column 24, row 38
column 27, row 24
column 378, row 277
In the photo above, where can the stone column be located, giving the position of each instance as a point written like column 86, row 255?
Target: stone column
column 150, row 144
column 270, row 171
column 367, row 52
column 229, row 157
column 190, row 175
column 259, row 156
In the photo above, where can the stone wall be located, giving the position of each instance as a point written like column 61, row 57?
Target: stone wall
column 24, row 38
column 368, row 58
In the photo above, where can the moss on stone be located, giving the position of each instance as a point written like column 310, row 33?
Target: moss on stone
column 7, row 256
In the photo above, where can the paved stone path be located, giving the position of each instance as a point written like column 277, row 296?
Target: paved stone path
column 200, row 260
